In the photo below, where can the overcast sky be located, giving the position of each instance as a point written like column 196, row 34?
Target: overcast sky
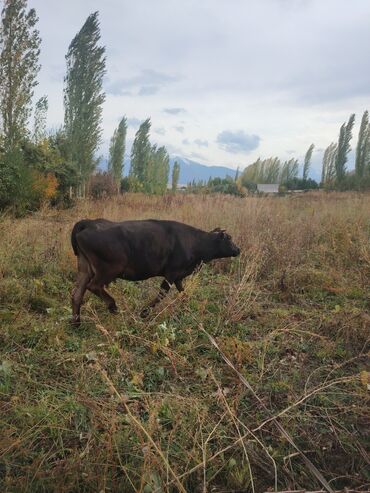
column 224, row 81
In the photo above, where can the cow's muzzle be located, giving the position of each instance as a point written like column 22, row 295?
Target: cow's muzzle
column 236, row 251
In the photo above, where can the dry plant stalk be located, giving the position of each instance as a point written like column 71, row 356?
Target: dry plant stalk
column 123, row 399
column 307, row 461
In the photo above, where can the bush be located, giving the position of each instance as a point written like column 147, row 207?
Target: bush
column 219, row 185
column 354, row 182
column 102, row 185
column 301, row 184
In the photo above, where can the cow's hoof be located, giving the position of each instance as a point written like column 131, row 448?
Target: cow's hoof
column 75, row 322
column 145, row 312
column 113, row 308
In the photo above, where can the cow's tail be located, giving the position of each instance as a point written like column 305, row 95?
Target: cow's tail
column 77, row 228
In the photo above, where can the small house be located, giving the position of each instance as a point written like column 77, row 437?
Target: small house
column 268, row 187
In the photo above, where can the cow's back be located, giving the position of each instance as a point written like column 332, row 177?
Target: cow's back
column 140, row 249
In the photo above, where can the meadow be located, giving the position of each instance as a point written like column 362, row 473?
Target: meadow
column 194, row 398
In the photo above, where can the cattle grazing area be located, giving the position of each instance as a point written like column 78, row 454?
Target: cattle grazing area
column 195, row 396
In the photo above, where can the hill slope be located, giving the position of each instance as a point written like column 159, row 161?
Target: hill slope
column 189, row 170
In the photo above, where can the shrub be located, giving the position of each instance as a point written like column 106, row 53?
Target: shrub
column 102, row 185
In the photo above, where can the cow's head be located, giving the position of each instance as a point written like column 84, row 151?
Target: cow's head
column 225, row 247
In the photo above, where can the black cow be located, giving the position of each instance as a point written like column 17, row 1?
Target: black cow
column 138, row 250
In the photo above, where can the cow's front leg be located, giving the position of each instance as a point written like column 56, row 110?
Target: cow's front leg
column 179, row 286
column 165, row 287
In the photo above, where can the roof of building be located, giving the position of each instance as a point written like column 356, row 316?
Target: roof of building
column 268, row 187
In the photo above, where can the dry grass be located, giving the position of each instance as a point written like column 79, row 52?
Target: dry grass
column 124, row 405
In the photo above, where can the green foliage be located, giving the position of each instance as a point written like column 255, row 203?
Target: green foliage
column 175, row 176
column 117, row 152
column 11, row 163
column 131, row 184
column 21, row 188
column 20, row 48
column 301, row 184
column 83, row 98
column 354, row 182
column 218, row 185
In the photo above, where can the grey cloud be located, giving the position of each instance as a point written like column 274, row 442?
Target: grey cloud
column 134, row 122
column 174, row 111
column 117, row 88
column 148, row 90
column 186, row 142
column 179, row 129
column 196, row 155
column 149, row 82
column 160, row 131
column 173, row 150
column 237, row 141
column 201, row 143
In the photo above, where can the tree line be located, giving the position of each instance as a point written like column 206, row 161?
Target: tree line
column 290, row 175
column 334, row 173
column 36, row 165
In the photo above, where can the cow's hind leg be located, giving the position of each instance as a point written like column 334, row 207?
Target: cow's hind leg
column 103, row 295
column 165, row 287
column 78, row 292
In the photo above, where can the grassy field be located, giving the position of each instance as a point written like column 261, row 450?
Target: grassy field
column 123, row 405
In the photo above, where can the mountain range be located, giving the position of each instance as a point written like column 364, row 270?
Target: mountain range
column 189, row 170
column 192, row 170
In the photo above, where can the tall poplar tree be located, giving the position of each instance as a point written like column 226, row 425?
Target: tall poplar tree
column 19, row 66
column 141, row 153
column 39, row 127
column 289, row 171
column 307, row 161
column 345, row 136
column 117, row 152
column 362, row 149
column 84, row 97
column 161, row 170
column 324, row 166
column 328, row 164
column 176, row 175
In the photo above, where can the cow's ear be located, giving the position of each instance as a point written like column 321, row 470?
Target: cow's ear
column 218, row 230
